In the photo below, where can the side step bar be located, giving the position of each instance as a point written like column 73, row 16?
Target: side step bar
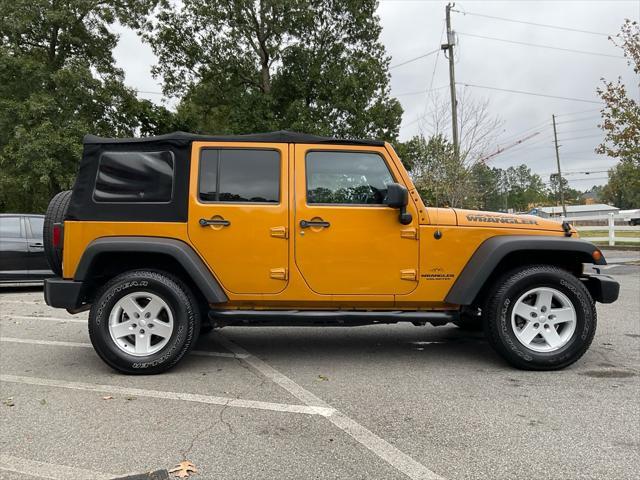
column 348, row 318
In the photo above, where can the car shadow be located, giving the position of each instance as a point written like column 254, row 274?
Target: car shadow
column 21, row 288
column 446, row 344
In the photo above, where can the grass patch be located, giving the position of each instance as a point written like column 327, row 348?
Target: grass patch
column 605, row 233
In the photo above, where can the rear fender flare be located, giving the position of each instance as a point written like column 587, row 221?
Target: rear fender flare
column 177, row 249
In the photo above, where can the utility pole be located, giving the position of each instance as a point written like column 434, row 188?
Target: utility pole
column 560, row 186
column 451, row 41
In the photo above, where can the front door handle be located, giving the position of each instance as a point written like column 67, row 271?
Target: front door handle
column 314, row 223
column 204, row 222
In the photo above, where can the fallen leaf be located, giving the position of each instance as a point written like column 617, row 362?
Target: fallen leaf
column 108, row 397
column 184, row 469
column 323, row 378
column 8, row 402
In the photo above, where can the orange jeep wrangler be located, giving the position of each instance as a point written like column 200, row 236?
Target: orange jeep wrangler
column 163, row 237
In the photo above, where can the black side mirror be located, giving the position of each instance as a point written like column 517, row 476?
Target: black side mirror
column 398, row 197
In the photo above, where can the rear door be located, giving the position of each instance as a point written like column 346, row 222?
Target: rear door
column 14, row 251
column 38, row 265
column 238, row 214
column 348, row 242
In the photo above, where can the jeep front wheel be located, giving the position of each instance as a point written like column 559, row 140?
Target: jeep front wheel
column 540, row 318
column 143, row 322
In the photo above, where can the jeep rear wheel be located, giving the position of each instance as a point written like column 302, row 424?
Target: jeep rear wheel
column 540, row 318
column 144, row 322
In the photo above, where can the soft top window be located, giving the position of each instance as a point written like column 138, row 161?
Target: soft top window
column 135, row 177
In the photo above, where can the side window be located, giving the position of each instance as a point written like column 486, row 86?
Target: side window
column 37, row 225
column 135, row 177
column 239, row 175
column 10, row 227
column 347, row 178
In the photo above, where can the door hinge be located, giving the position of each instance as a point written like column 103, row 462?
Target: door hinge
column 279, row 273
column 408, row 274
column 410, row 233
column 279, row 232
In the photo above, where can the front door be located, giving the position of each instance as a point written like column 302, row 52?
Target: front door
column 347, row 241
column 238, row 214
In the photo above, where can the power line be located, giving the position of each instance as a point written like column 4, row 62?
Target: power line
column 580, row 138
column 545, row 25
column 420, row 92
column 414, row 59
column 577, row 113
column 580, row 120
column 515, row 42
column 527, row 93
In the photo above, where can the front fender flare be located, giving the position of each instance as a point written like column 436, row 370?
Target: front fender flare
column 493, row 250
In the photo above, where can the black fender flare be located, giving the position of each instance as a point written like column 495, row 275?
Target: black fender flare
column 491, row 252
column 183, row 253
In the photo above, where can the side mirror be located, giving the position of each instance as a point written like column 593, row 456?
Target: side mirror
column 398, row 197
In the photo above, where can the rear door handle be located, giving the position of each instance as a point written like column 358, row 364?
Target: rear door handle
column 38, row 245
column 219, row 221
column 314, row 223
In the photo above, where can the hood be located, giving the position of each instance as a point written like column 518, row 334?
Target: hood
column 475, row 218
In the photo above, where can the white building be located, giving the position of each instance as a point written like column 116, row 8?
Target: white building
column 573, row 211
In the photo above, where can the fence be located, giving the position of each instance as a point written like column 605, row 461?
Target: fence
column 608, row 224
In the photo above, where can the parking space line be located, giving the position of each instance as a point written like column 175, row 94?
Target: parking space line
column 187, row 397
column 30, row 302
column 56, row 343
column 46, row 319
column 380, row 447
column 24, row 466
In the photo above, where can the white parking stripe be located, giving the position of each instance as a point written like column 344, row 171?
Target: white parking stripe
column 30, row 302
column 34, row 468
column 187, row 397
column 387, row 452
column 55, row 343
column 46, row 319
column 51, row 471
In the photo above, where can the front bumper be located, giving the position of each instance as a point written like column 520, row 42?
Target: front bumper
column 603, row 288
column 61, row 293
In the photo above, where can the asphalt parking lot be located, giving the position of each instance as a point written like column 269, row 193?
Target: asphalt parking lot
column 379, row 402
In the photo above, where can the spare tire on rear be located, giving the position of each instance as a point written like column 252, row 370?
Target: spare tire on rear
column 56, row 212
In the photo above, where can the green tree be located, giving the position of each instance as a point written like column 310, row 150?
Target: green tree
column 621, row 114
column 623, row 188
column 241, row 66
column 58, row 81
column 621, row 125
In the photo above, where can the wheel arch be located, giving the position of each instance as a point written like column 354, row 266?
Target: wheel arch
column 498, row 254
column 107, row 257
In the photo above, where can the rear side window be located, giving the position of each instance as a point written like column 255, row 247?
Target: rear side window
column 10, row 227
column 37, row 225
column 346, row 178
column 135, row 177
column 240, row 175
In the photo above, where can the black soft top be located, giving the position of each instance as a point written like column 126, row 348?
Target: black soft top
column 83, row 205
column 281, row 136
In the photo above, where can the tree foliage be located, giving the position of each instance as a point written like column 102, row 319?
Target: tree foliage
column 314, row 66
column 621, row 125
column 58, row 81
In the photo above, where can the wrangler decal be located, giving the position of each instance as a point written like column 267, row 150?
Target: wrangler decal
column 501, row 219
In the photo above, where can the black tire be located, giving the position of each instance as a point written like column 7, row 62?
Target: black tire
column 184, row 309
column 56, row 213
column 502, row 300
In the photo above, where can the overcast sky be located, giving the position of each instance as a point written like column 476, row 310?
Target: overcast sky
column 415, row 27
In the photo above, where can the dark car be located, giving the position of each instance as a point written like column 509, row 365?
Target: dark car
column 22, row 257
